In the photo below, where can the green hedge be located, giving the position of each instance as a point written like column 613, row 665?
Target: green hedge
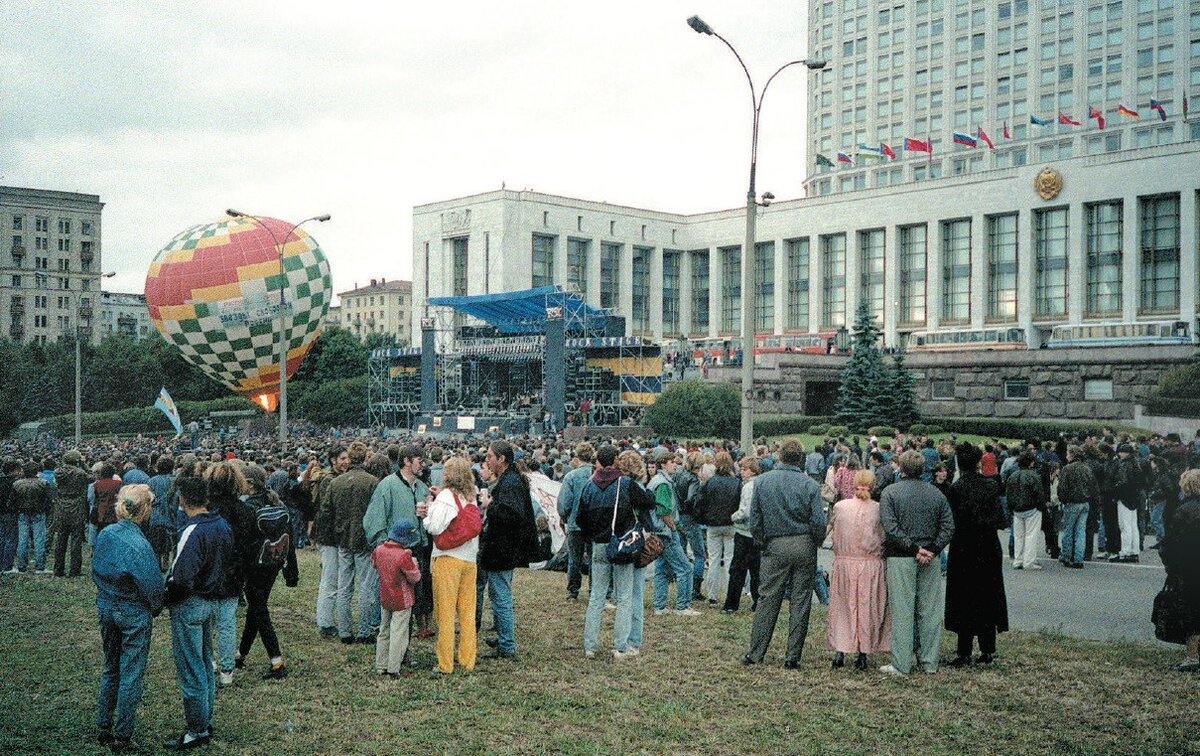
column 1020, row 428
column 787, row 425
column 143, row 419
column 1170, row 406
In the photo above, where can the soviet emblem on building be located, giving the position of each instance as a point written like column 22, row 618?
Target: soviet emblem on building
column 1048, row 183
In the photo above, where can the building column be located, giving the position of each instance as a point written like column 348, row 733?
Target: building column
column 979, row 292
column 716, row 290
column 1189, row 250
column 1130, row 258
column 815, row 288
column 592, row 295
column 1026, row 260
column 685, row 294
column 891, row 286
column 625, row 287
column 781, row 272
column 853, row 276
column 1077, row 233
column 655, row 303
column 933, row 275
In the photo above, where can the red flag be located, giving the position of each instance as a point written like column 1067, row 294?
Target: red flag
column 983, row 137
column 1007, row 135
column 1067, row 120
column 1093, row 113
column 887, row 151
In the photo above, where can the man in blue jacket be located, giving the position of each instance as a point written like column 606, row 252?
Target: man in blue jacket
column 578, row 549
column 193, row 585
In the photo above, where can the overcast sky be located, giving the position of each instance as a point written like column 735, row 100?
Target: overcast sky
column 174, row 111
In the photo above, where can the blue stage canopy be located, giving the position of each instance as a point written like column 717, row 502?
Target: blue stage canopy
column 525, row 311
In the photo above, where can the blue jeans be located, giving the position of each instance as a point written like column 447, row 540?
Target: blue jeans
column 1156, row 519
column 193, row 621
column 819, row 586
column 499, row 585
column 694, row 534
column 355, row 571
column 226, row 632
column 31, row 527
column 8, row 541
column 637, row 617
column 672, row 562
column 327, row 589
column 620, row 576
column 1074, row 532
column 125, row 636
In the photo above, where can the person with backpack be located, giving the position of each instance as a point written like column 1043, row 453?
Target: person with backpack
column 265, row 555
column 718, row 499
column 454, row 522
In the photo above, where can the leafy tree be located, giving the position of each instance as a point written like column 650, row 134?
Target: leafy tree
column 696, row 409
column 337, row 402
column 904, row 408
column 383, row 340
column 336, row 354
column 864, row 396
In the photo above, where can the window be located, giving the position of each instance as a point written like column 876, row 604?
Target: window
column 956, row 270
column 578, row 251
column 912, row 274
column 700, row 290
column 543, row 260
column 797, row 278
column 941, row 390
column 764, row 287
column 17, row 220
column 1097, row 389
column 458, row 255
column 42, row 225
column 85, row 228
column 1160, row 254
column 731, row 288
column 871, row 270
column 833, row 281
column 610, row 275
column 1016, row 389
column 1050, row 254
column 672, row 259
column 1103, row 258
column 64, row 225
column 639, row 318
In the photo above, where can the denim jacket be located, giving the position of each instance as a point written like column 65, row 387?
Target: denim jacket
column 125, row 569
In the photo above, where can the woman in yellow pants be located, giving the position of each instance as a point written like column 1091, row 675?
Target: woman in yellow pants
column 454, row 569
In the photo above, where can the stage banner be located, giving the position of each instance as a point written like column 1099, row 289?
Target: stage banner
column 466, row 423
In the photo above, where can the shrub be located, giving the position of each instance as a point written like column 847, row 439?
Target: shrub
column 143, row 419
column 1173, row 406
column 838, row 430
column 696, row 409
column 1182, row 382
column 881, row 430
column 785, row 425
column 1022, row 429
column 820, row 429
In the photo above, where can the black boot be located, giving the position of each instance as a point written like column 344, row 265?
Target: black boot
column 861, row 662
column 696, row 582
column 839, row 660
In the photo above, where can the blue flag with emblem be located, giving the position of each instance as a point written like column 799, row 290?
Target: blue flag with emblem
column 167, row 405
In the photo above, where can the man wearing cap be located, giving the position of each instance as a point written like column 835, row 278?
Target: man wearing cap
column 578, row 550
column 70, row 513
column 1124, row 479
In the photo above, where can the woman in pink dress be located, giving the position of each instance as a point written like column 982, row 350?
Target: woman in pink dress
column 858, row 619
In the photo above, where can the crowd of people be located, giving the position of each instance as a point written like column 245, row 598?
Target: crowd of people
column 413, row 532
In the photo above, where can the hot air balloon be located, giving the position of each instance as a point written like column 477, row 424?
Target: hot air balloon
column 213, row 292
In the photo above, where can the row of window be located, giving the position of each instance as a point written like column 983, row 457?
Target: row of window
column 42, row 281
column 1157, row 253
column 41, row 225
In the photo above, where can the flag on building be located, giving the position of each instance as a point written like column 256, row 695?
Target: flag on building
column 1094, row 113
column 983, row 137
column 842, row 157
column 1038, row 121
column 1185, row 107
column 824, row 161
column 1067, row 120
column 167, row 405
column 918, row 145
column 1007, row 133
column 1127, row 112
column 965, row 140
column 890, row 153
column 865, row 151
column 1156, row 105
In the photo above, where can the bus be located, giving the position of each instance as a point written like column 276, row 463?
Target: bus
column 951, row 341
column 716, row 351
column 1119, row 334
column 796, row 343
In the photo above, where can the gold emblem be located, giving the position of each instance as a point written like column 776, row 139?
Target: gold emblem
column 1048, row 183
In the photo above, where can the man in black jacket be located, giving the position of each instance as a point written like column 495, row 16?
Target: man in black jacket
column 1125, row 489
column 8, row 517
column 509, row 540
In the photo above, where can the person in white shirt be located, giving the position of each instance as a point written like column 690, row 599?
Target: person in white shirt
column 454, row 568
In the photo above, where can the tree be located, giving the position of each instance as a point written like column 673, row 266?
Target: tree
column 864, row 396
column 904, row 408
column 339, row 402
column 336, row 354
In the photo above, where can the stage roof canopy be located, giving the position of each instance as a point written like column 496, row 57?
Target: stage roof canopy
column 525, row 311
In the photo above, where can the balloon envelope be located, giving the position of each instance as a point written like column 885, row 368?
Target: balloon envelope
column 214, row 292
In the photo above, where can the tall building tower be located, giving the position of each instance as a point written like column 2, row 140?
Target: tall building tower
column 49, row 263
column 929, row 68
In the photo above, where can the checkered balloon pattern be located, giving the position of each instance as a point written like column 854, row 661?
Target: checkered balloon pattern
column 213, row 292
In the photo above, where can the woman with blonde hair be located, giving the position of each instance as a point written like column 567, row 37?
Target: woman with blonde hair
column 858, row 619
column 454, row 569
column 129, row 594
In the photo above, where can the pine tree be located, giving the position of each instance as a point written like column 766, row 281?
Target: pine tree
column 864, row 396
column 903, row 398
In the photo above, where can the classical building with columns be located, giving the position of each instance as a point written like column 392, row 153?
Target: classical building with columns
column 1094, row 252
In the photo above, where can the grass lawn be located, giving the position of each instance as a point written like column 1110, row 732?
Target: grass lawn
column 1046, row 694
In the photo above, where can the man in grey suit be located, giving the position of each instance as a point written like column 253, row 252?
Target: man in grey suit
column 787, row 521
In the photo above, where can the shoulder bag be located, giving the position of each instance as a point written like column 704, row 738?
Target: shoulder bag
column 466, row 525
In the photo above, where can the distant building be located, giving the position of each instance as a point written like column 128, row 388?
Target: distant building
column 333, row 317
column 381, row 307
column 49, row 263
column 125, row 314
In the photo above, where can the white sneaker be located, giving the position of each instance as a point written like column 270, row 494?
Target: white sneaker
column 44, row 572
column 633, row 651
column 226, row 679
column 888, row 669
column 619, row 655
column 661, row 612
column 1034, row 566
column 1016, row 565
column 589, row 654
column 689, row 612
column 609, row 605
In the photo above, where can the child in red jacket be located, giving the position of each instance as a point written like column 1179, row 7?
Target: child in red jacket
column 398, row 571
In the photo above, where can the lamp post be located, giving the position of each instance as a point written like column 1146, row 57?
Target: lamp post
column 79, row 331
column 283, row 340
column 756, row 101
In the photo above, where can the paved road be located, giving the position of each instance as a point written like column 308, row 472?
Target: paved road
column 1102, row 601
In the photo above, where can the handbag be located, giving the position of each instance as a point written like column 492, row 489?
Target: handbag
column 652, row 549
column 625, row 548
column 1170, row 614
column 466, row 525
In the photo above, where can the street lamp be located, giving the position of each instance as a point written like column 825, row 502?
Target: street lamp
column 283, row 340
column 756, row 101
column 79, row 331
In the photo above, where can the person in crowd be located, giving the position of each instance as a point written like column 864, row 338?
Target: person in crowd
column 787, row 520
column 162, row 514
column 843, row 483
column 102, row 496
column 129, row 595
column 746, row 556
column 325, row 533
column 271, row 550
column 691, row 532
column 1162, row 494
column 12, row 471
column 454, row 570
column 398, row 574
column 1097, row 457
column 884, row 476
column 437, row 467
column 716, row 502
column 404, row 496
column 917, row 525
column 195, row 582
column 814, row 464
column 858, row 620
column 1078, row 492
column 1026, row 501
column 1179, row 550
column 663, row 521
column 226, row 486
column 33, row 499
column 976, row 605
column 941, row 478
column 350, row 494
column 70, row 513
column 508, row 541
column 573, row 483
column 1125, row 490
